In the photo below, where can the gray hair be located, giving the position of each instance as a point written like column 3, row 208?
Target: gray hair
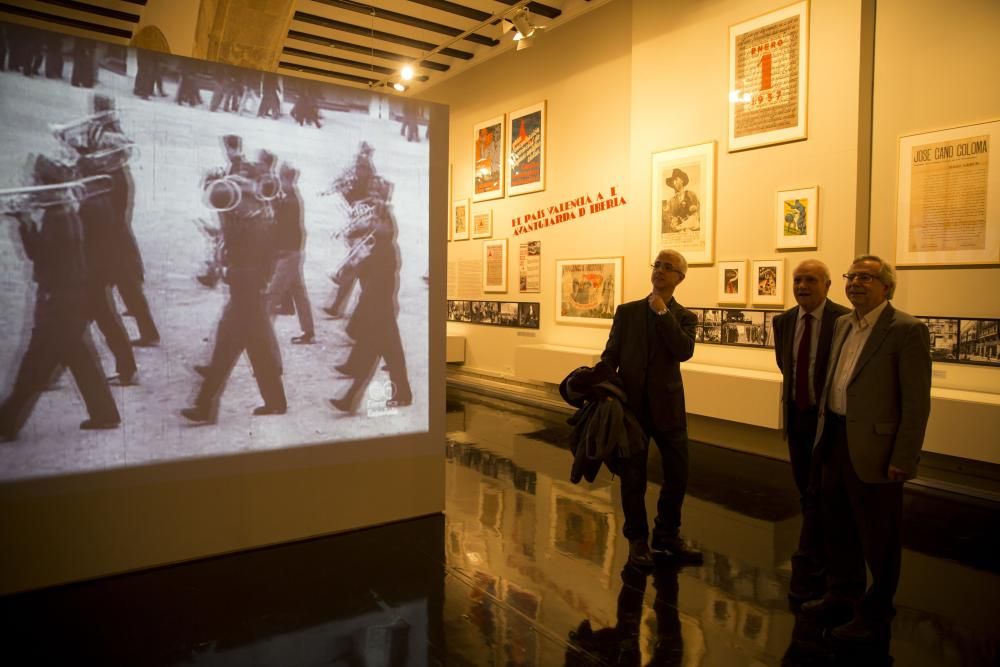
column 886, row 274
column 682, row 263
column 824, row 270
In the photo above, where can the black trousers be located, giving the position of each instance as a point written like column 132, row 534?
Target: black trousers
column 244, row 325
column 379, row 341
column 105, row 314
column 807, row 470
column 863, row 524
column 131, row 290
column 673, row 446
column 60, row 337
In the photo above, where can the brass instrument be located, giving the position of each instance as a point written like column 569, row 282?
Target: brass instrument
column 85, row 131
column 231, row 191
column 23, row 200
column 108, row 159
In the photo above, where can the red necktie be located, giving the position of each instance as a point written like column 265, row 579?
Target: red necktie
column 802, row 365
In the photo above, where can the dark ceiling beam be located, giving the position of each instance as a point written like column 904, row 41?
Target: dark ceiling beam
column 378, row 34
column 62, row 20
column 94, row 9
column 353, row 78
column 405, row 19
column 537, row 8
column 362, row 50
column 455, row 8
column 334, row 60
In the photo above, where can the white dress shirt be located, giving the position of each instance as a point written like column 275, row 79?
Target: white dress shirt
column 854, row 342
column 817, row 316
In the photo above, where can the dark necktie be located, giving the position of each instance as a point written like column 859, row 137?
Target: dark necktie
column 802, row 364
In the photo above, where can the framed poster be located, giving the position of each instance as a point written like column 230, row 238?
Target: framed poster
column 529, row 267
column 796, row 219
column 733, row 282
column 460, row 220
column 948, row 197
column 526, row 150
column 767, row 282
column 488, row 176
column 482, row 224
column 588, row 290
column 495, row 265
column 682, row 211
column 768, row 65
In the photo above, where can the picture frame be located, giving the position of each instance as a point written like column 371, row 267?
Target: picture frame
column 768, row 78
column 488, row 170
column 732, row 282
column 460, row 220
column 495, row 265
column 588, row 290
column 934, row 226
column 796, row 219
column 682, row 208
column 767, row 282
column 482, row 224
column 526, row 152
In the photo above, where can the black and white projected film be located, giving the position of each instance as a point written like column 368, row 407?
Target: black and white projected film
column 200, row 260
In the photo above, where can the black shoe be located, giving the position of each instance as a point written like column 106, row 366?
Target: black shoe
column 284, row 310
column 200, row 415
column 207, row 280
column 344, row 370
column 858, row 631
column 342, row 404
column 828, row 610
column 202, row 370
column 124, row 379
column 639, row 555
column 99, row 424
column 333, row 313
column 270, row 410
column 143, row 341
column 399, row 402
column 676, row 550
column 304, row 339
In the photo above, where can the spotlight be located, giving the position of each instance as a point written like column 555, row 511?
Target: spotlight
column 399, row 87
column 406, row 72
column 523, row 25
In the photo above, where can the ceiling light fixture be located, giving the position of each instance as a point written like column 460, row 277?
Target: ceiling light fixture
column 399, row 87
column 520, row 21
column 406, row 72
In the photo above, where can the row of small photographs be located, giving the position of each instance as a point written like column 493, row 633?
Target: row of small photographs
column 962, row 340
column 735, row 326
column 520, row 314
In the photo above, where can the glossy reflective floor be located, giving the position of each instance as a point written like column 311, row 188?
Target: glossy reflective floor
column 528, row 569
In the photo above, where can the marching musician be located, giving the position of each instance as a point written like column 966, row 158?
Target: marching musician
column 290, row 236
column 60, row 336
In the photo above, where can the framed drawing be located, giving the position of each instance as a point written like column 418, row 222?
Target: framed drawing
column 495, row 265
column 488, row 177
column 944, row 181
column 796, row 219
column 588, row 290
column 733, row 282
column 767, row 282
column 482, row 224
column 526, row 150
column 460, row 220
column 683, row 202
column 768, row 65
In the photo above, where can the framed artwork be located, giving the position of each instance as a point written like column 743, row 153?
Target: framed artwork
column 744, row 327
column 588, row 290
column 460, row 220
column 447, row 223
column 944, row 181
column 682, row 211
column 767, row 282
column 495, row 265
column 482, row 224
column 733, row 282
column 768, row 65
column 526, row 150
column 488, row 176
column 796, row 219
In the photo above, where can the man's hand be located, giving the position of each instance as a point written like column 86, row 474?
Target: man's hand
column 898, row 475
column 656, row 303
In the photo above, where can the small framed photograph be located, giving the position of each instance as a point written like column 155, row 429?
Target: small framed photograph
column 733, row 282
column 495, row 265
column 796, row 219
column 588, row 291
column 460, row 220
column 526, row 150
column 488, row 139
column 482, row 224
column 767, row 282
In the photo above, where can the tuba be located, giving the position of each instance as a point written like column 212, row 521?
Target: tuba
column 23, row 200
column 229, row 192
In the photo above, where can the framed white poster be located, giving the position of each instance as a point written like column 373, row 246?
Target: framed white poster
column 768, row 78
column 796, row 219
column 495, row 265
column 733, row 282
column 767, row 282
column 488, row 175
column 482, row 224
column 588, row 291
column 682, row 211
column 526, row 150
column 460, row 220
column 948, row 197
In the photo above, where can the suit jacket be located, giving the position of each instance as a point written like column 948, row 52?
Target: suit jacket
column 888, row 396
column 784, row 353
column 652, row 368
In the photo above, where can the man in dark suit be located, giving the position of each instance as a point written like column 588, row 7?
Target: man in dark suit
column 649, row 338
column 802, row 337
column 873, row 415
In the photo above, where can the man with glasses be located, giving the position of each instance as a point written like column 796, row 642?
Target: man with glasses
column 873, row 414
column 649, row 338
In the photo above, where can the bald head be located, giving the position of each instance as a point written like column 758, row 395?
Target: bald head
column 811, row 282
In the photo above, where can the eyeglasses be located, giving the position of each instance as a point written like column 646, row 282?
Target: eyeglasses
column 665, row 266
column 863, row 278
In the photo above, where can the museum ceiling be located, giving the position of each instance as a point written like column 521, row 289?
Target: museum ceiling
column 360, row 44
